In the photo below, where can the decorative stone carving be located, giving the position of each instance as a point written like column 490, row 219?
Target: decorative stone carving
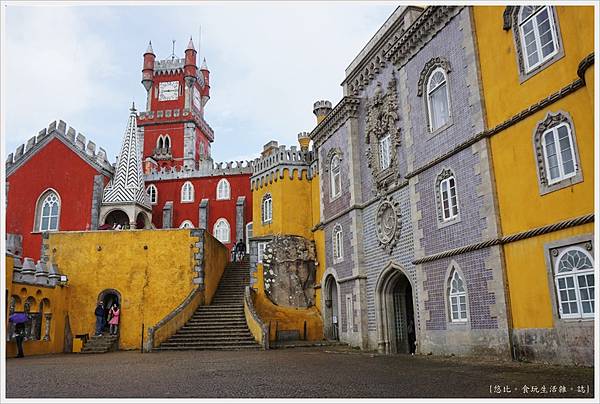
column 388, row 223
column 429, row 67
column 332, row 152
column 381, row 121
column 507, row 19
column 289, row 271
column 550, row 121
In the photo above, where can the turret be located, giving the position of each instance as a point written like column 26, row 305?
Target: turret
column 148, row 72
column 321, row 109
column 189, row 72
column 304, row 140
column 206, row 90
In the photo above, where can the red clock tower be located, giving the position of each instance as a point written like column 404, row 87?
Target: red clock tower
column 173, row 129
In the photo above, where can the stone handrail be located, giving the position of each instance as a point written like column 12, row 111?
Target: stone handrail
column 166, row 327
column 257, row 327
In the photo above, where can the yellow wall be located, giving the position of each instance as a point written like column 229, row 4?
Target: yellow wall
column 503, row 93
column 58, row 297
column 152, row 281
column 216, row 257
column 318, row 236
column 527, row 277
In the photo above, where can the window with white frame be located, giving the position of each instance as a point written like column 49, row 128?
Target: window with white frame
column 267, row 208
column 48, row 211
column 457, row 297
column 186, row 224
column 152, row 194
column 187, row 192
column 223, row 189
column 249, row 234
column 337, row 243
column 438, row 102
column 261, row 246
column 574, row 281
column 221, row 230
column 449, row 201
column 537, row 34
column 559, row 153
column 336, row 182
column 384, row 152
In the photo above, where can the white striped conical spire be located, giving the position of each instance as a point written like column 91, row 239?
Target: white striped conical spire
column 127, row 185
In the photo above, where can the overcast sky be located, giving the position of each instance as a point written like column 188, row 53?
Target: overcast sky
column 268, row 61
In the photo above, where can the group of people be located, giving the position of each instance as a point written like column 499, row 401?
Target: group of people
column 113, row 318
column 239, row 251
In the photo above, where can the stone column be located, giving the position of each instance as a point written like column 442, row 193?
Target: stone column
column 240, row 210
column 168, row 215
column 203, row 213
column 97, row 192
column 48, row 317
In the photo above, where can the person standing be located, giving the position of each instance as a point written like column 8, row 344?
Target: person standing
column 114, row 319
column 99, row 313
column 19, row 320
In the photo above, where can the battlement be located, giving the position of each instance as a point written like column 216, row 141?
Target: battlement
column 168, row 66
column 77, row 141
column 207, row 169
column 322, row 104
column 271, row 166
column 149, row 117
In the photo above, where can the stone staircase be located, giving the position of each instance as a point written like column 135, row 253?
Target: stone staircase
column 222, row 324
column 101, row 344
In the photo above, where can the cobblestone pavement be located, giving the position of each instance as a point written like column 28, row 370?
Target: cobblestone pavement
column 300, row 372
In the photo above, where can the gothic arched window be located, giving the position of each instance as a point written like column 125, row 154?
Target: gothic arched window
column 221, row 230
column 186, row 224
column 187, row 192
column 447, row 197
column 336, row 181
column 337, row 243
column 47, row 211
column 267, row 208
column 457, row 297
column 152, row 193
column 223, row 189
column 438, row 102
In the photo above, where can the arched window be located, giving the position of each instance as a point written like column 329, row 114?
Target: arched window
column 537, row 35
column 187, row 192
column 221, row 230
column 186, row 224
column 384, row 152
column 337, row 243
column 267, row 208
column 447, row 196
column 152, row 194
column 159, row 142
column 457, row 298
column 336, row 182
column 167, row 142
column 574, row 280
column 438, row 103
column 223, row 189
column 47, row 211
column 559, row 153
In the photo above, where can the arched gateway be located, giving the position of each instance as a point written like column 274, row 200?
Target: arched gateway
column 394, row 309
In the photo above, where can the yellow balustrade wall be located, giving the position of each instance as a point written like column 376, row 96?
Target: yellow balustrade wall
column 151, row 269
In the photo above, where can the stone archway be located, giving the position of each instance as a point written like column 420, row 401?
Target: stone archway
column 117, row 217
column 394, row 311
column 331, row 317
column 142, row 221
column 108, row 297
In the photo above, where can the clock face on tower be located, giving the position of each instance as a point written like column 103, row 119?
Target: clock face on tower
column 168, row 91
column 197, row 103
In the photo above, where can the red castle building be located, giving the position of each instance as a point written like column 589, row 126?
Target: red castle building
column 164, row 177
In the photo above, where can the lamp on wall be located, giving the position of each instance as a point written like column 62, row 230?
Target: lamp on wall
column 63, row 280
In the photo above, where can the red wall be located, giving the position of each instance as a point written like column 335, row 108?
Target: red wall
column 58, row 167
column 206, row 187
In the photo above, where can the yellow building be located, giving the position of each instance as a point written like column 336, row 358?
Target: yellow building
column 287, row 250
column 538, row 84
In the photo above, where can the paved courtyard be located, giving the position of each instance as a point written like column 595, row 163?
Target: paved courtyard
column 301, row 372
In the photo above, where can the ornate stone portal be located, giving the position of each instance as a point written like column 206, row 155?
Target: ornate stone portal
column 380, row 123
column 289, row 271
column 389, row 223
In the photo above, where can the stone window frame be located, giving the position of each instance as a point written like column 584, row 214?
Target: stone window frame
column 184, row 197
column 218, row 222
column 446, row 173
column 333, row 152
column 452, row 268
column 337, row 245
column 511, row 21
column 552, row 250
column 435, row 64
column 152, row 192
column 550, row 121
column 186, row 222
column 163, row 141
column 266, row 198
column 223, row 190
column 39, row 205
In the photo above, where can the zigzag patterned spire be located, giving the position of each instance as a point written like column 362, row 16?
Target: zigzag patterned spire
column 127, row 185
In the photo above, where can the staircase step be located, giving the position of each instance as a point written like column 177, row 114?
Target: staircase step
column 210, row 343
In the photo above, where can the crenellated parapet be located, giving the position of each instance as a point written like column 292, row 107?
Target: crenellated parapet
column 169, row 66
column 277, row 159
column 345, row 109
column 74, row 140
column 175, row 116
column 27, row 271
column 207, row 169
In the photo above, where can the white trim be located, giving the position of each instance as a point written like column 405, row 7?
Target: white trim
column 37, row 220
column 190, row 195
column 248, row 235
column 561, row 167
column 186, row 224
column 333, row 172
column 538, row 45
column 267, row 208
column 575, row 276
column 153, row 201
column 384, row 146
column 452, row 208
column 429, row 92
column 337, row 243
column 457, row 296
column 217, row 227
column 260, row 251
column 225, row 193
